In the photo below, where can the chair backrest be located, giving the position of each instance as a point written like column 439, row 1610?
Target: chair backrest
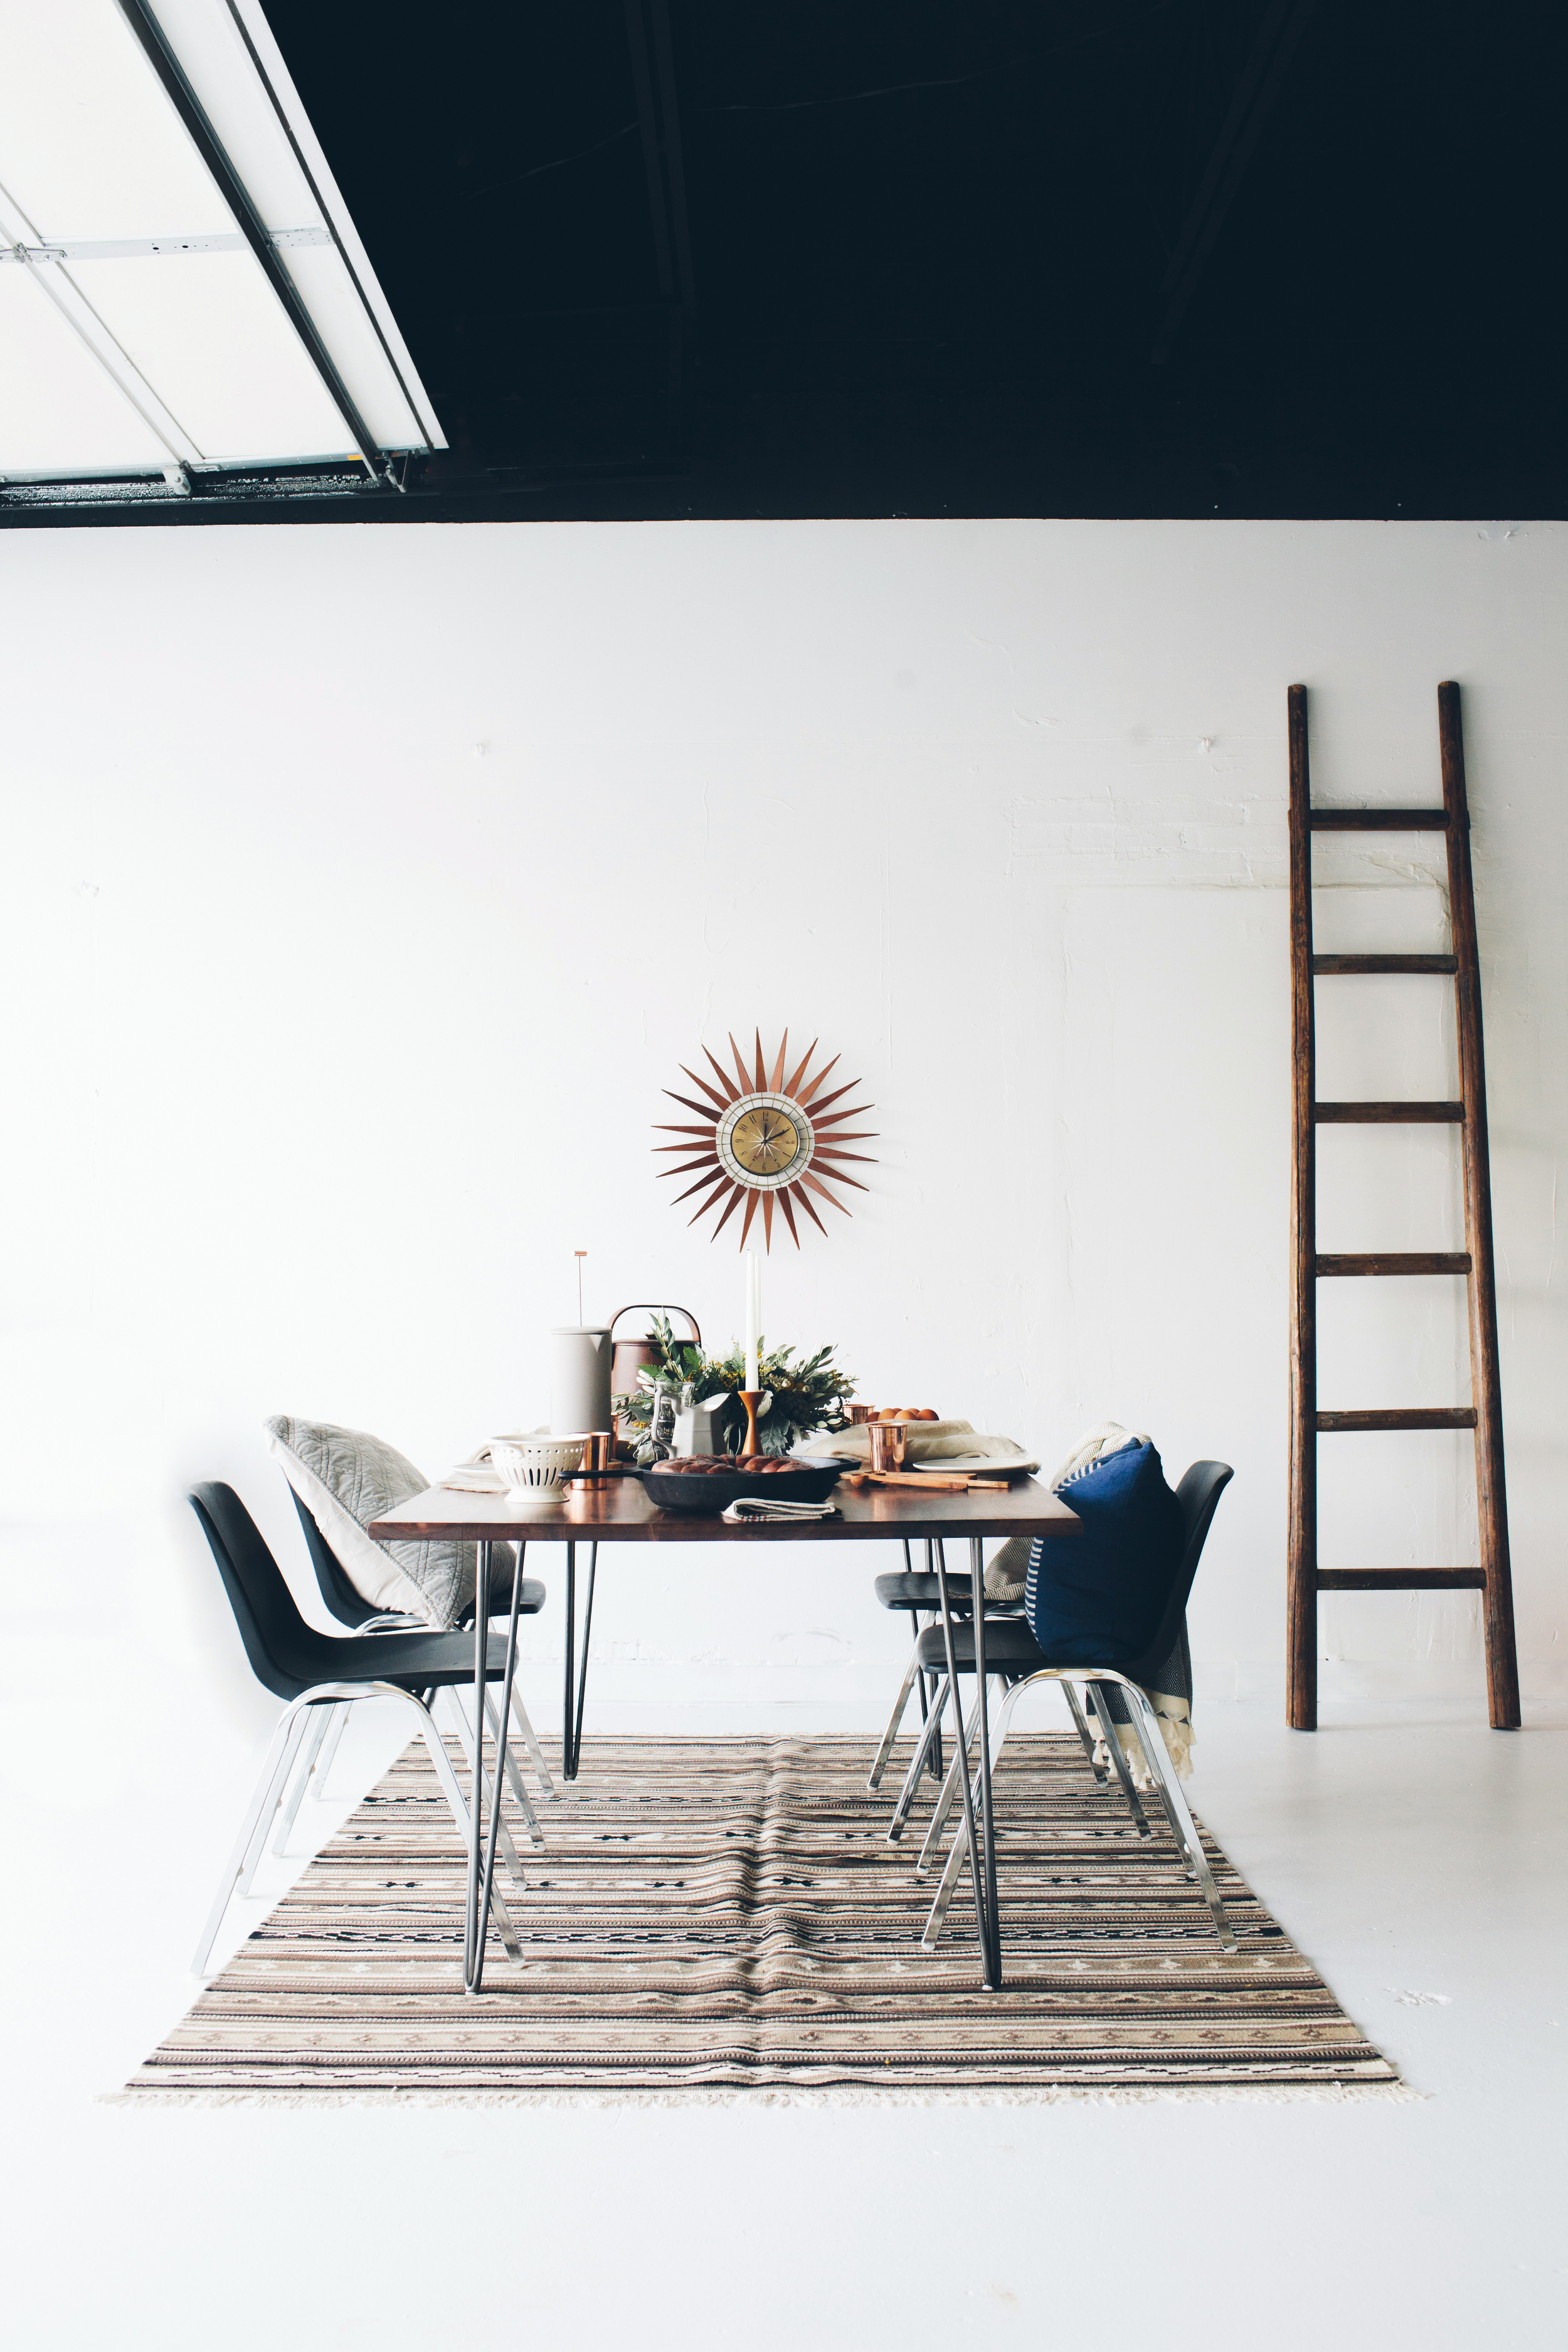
column 348, row 1606
column 284, row 1652
column 1198, row 1494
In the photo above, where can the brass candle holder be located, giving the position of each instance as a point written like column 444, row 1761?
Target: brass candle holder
column 751, row 1399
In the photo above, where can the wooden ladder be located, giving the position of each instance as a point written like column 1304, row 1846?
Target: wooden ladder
column 1309, row 1266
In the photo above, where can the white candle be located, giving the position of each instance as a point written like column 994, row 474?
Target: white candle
column 754, row 1317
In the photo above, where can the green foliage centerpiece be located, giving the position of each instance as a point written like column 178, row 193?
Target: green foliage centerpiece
column 806, row 1396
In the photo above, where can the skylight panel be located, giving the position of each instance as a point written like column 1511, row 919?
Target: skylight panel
column 57, row 401
column 168, row 221
column 208, row 330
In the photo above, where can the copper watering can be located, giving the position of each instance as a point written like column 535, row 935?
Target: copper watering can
column 628, row 1356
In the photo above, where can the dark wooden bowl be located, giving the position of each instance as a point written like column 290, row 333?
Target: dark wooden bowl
column 715, row 1490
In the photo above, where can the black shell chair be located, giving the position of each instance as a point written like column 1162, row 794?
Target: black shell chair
column 351, row 1608
column 312, row 1673
column 1013, row 1653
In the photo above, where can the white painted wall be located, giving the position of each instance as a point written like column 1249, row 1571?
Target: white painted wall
column 364, row 887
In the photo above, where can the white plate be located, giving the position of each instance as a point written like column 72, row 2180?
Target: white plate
column 975, row 1465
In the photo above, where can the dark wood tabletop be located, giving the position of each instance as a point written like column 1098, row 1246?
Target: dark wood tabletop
column 622, row 1512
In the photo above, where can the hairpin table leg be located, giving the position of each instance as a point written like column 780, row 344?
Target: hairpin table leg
column 982, row 1863
column 474, row 1921
column 572, row 1702
column 993, row 1924
column 500, row 1764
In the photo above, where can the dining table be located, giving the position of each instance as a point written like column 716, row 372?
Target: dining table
column 619, row 1511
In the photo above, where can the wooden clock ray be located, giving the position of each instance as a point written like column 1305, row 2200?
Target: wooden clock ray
column 770, row 1137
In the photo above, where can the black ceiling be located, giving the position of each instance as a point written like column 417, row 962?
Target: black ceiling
column 914, row 257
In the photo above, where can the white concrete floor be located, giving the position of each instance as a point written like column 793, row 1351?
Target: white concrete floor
column 1411, row 1852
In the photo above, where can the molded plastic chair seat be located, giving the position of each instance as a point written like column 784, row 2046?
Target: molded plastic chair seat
column 317, row 1674
column 1010, row 1648
column 913, row 1588
column 290, row 1657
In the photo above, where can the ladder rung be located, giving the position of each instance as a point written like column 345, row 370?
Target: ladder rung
column 1401, row 1580
column 1330, row 963
column 1413, row 1416
column 1378, row 819
column 1374, row 1114
column 1396, row 1262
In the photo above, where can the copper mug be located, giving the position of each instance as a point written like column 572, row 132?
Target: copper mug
column 860, row 1413
column 889, row 1441
column 598, row 1453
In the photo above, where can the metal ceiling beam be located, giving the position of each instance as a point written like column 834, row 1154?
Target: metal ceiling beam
column 154, row 44
column 658, row 114
column 140, row 248
column 1283, row 24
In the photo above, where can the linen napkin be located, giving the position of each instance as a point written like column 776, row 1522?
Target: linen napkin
column 766, row 1507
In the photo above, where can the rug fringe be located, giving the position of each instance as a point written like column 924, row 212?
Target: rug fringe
column 1333, row 2095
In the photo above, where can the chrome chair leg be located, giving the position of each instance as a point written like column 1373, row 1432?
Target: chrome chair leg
column 1153, row 1743
column 958, row 1854
column 530, row 1740
column 949, row 1790
column 938, row 1821
column 281, row 1751
column 952, row 1869
column 321, row 1718
column 513, row 1776
column 1118, row 1756
column 280, row 1747
column 460, row 1812
column 1173, row 1819
column 258, row 1845
column 896, row 1719
column 466, row 1740
column 1101, row 1771
column 923, row 1748
column 1146, row 1729
column 340, row 1715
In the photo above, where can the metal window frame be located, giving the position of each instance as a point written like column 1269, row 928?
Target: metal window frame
column 160, row 55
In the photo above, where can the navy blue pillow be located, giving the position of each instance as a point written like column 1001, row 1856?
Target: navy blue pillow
column 1097, row 1597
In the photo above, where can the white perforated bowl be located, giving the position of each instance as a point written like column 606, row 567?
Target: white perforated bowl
column 530, row 1463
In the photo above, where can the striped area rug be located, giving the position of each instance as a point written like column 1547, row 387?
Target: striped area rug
column 725, row 1917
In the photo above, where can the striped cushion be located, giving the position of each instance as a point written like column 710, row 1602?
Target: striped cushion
column 1095, row 1598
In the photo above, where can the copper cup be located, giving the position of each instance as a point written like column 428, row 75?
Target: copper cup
column 598, row 1453
column 889, row 1441
column 860, row 1413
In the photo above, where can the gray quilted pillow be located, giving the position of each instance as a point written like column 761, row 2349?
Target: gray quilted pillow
column 345, row 1479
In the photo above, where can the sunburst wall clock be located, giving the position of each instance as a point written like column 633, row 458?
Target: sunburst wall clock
column 767, row 1139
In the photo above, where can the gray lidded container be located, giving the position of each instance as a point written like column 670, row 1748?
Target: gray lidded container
column 579, row 1378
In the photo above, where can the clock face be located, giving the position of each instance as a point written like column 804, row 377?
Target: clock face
column 771, row 1138
column 763, row 1140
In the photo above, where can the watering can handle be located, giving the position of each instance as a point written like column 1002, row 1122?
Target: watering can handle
column 654, row 1304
